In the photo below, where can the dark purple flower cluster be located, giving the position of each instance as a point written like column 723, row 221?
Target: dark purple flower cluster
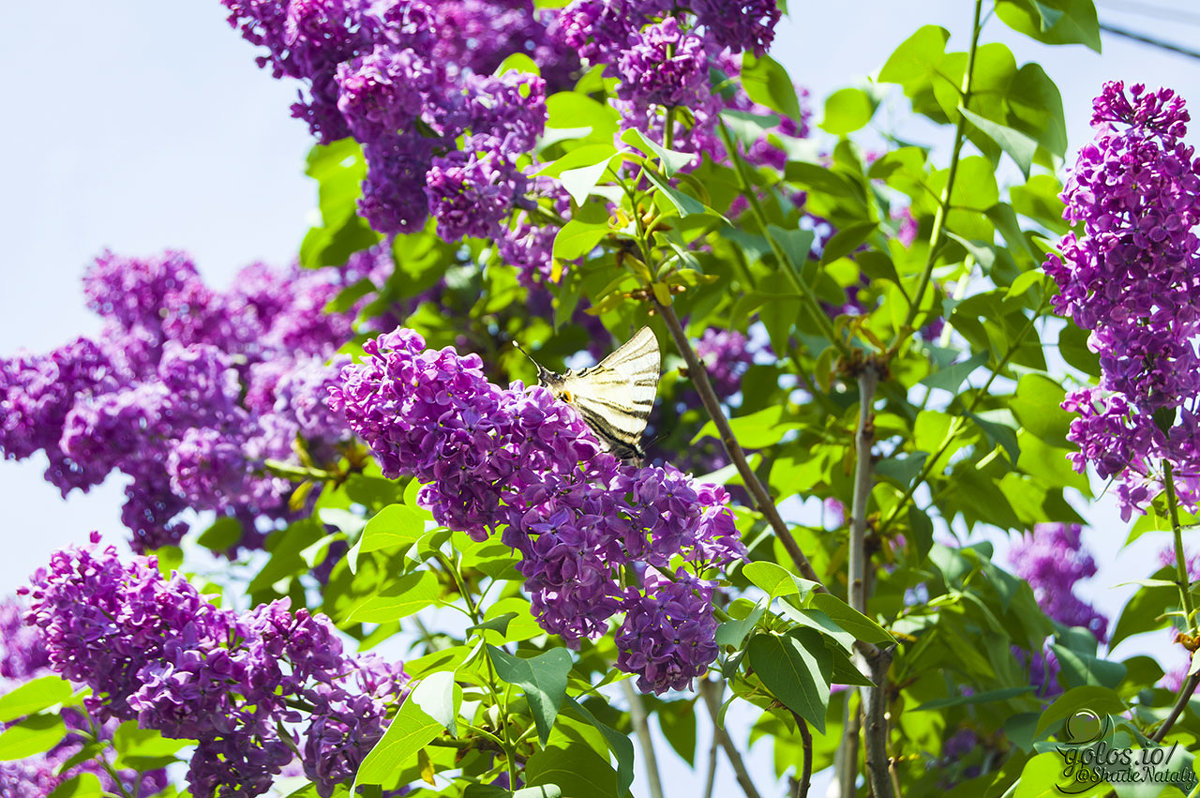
column 1133, row 279
column 153, row 649
column 410, row 81
column 23, row 657
column 668, row 636
column 1053, row 559
column 521, row 461
column 187, row 390
column 726, row 355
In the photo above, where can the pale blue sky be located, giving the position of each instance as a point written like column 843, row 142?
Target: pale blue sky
column 143, row 125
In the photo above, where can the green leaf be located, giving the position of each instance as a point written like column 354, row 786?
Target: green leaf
column 582, row 233
column 975, row 698
column 775, row 580
column 672, row 160
column 846, row 111
column 618, row 743
column 684, row 203
column 850, row 619
column 222, row 535
column 543, row 678
column 917, row 57
column 796, row 244
column 408, row 594
column 33, row 697
column 755, row 431
column 82, row 785
column 34, row 735
column 733, row 632
column 133, row 743
column 409, row 732
column 395, row 526
column 1020, row 147
column 1053, row 21
column 767, row 83
column 952, row 377
column 1079, row 669
column 846, row 240
column 576, row 771
column 796, row 668
column 440, row 698
column 580, row 182
column 1100, row 700
column 746, row 127
column 518, row 62
column 1037, row 406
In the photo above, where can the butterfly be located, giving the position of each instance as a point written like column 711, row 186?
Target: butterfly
column 616, row 395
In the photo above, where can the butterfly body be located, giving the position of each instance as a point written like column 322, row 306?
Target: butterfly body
column 615, row 396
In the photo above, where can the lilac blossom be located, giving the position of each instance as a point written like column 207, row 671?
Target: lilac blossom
column 1132, row 278
column 151, row 648
column 188, row 390
column 521, row 461
column 1053, row 559
column 407, row 79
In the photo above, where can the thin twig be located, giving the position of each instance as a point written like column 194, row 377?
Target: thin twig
column 710, row 780
column 943, row 209
column 699, row 376
column 846, row 762
column 708, row 691
column 806, row 771
column 788, row 267
column 1185, row 695
column 641, row 729
column 1181, row 571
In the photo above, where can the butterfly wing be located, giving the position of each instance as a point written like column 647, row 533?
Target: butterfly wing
column 616, row 395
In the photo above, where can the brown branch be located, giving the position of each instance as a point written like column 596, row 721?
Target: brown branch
column 875, row 729
column 699, row 376
column 641, row 729
column 713, row 702
column 1185, row 695
column 806, row 773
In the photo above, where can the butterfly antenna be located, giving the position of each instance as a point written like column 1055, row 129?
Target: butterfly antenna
column 542, row 373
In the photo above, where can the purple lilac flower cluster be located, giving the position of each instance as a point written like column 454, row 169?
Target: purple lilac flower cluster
column 521, row 461
column 726, row 355
column 410, row 81
column 24, row 658
column 187, row 390
column 662, row 61
column 1053, row 559
column 151, row 648
column 1133, row 279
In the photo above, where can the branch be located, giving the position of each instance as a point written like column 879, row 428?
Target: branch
column 1185, row 695
column 713, row 702
column 939, row 219
column 806, row 773
column 791, row 269
column 699, row 376
column 641, row 728
column 1181, row 571
column 876, row 730
column 845, row 763
column 711, row 779
column 877, row 661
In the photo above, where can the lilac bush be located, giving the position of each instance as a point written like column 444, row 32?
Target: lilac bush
column 519, row 460
column 151, row 648
column 187, row 390
column 1132, row 279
